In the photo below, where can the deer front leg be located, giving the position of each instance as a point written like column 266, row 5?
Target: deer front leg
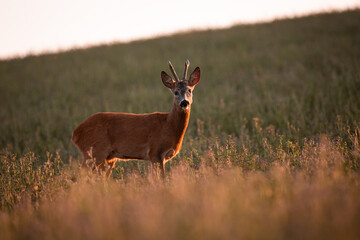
column 155, row 166
column 159, row 155
column 153, row 169
column 162, row 168
column 157, row 162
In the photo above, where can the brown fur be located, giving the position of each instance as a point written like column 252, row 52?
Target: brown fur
column 155, row 137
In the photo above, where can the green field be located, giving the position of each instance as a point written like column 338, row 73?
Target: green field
column 272, row 150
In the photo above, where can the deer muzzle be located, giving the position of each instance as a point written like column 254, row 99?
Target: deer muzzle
column 184, row 104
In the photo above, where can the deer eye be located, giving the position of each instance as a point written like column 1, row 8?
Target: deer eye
column 189, row 90
column 176, row 93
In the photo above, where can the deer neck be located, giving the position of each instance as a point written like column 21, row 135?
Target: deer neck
column 178, row 120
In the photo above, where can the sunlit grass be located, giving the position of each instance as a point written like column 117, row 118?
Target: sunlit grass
column 271, row 152
column 318, row 198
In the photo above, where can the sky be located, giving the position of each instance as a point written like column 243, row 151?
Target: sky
column 37, row 26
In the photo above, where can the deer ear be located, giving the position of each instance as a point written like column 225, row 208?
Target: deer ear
column 194, row 77
column 167, row 80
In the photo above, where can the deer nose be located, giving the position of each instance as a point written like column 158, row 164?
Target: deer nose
column 184, row 104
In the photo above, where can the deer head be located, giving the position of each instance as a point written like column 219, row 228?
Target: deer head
column 182, row 89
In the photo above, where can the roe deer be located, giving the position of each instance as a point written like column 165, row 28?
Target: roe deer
column 155, row 137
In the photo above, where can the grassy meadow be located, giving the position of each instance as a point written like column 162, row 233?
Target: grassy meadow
column 272, row 150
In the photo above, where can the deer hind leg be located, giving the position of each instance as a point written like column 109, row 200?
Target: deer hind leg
column 111, row 163
column 86, row 159
column 99, row 155
column 99, row 160
column 87, row 156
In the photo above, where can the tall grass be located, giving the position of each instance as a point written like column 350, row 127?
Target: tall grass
column 317, row 199
column 271, row 152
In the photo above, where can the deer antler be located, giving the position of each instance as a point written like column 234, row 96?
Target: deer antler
column 187, row 63
column 173, row 72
